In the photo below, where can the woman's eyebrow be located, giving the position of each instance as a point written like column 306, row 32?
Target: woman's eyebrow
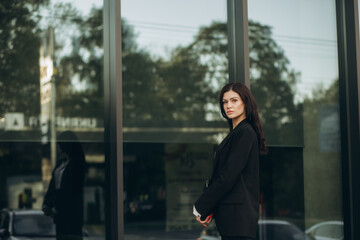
column 230, row 98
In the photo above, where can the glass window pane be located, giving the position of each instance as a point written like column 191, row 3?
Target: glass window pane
column 294, row 77
column 174, row 62
column 51, row 116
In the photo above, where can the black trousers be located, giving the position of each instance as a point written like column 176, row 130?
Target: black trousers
column 235, row 238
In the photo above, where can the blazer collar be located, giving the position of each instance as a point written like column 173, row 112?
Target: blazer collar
column 239, row 124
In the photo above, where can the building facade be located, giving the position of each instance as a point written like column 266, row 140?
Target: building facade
column 138, row 83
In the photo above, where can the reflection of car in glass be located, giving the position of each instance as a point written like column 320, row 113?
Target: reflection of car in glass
column 279, row 230
column 329, row 230
column 31, row 224
column 267, row 230
column 26, row 224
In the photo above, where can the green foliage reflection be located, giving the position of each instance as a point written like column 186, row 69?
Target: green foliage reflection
column 19, row 57
column 180, row 90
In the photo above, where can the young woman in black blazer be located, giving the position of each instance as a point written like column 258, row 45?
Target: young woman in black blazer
column 232, row 196
column 64, row 198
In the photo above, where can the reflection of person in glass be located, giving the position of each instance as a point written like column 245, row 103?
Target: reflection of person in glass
column 232, row 195
column 64, row 198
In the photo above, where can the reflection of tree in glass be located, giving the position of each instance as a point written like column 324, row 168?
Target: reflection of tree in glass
column 272, row 81
column 153, row 89
column 165, row 90
column 19, row 57
column 84, row 63
column 181, row 88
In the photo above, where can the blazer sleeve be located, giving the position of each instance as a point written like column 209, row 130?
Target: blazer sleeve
column 241, row 145
column 49, row 199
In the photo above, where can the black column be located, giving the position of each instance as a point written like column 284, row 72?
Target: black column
column 238, row 41
column 113, row 120
column 348, row 51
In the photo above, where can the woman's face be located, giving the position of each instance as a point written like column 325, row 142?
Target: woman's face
column 233, row 106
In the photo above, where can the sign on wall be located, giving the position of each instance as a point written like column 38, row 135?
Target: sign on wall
column 14, row 121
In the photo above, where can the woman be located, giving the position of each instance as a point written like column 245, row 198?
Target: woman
column 232, row 196
column 64, row 198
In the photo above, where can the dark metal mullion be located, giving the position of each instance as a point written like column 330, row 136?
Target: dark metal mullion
column 348, row 53
column 106, row 46
column 113, row 120
column 238, row 41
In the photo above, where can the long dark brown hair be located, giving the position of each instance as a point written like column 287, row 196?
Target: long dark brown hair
column 70, row 144
column 251, row 111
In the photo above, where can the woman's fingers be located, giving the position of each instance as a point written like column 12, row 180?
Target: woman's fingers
column 208, row 219
column 202, row 222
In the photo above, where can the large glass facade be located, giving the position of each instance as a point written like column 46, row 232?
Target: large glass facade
column 174, row 61
column 51, row 113
column 294, row 77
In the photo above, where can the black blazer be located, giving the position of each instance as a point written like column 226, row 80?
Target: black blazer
column 233, row 193
column 68, row 200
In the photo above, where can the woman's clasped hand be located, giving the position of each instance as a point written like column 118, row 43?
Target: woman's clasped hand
column 207, row 220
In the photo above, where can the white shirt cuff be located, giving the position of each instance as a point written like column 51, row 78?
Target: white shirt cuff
column 195, row 212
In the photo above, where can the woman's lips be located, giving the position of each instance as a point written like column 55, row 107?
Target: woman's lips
column 230, row 112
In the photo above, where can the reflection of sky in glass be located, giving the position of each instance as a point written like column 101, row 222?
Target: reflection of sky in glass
column 162, row 25
column 84, row 6
column 306, row 30
column 66, row 34
column 63, row 34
